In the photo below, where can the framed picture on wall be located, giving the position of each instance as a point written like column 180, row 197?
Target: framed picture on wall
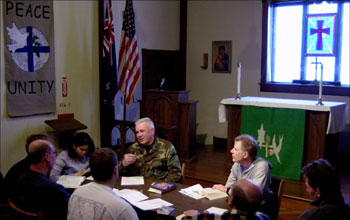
column 221, row 56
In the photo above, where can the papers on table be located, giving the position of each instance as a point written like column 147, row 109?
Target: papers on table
column 72, row 182
column 179, row 217
column 138, row 199
column 152, row 204
column 215, row 210
column 132, row 180
column 131, row 196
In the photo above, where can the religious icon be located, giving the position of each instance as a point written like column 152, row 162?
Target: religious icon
column 221, row 57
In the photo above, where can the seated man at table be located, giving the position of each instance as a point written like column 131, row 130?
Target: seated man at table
column 20, row 167
column 150, row 156
column 34, row 192
column 243, row 203
column 96, row 200
column 248, row 165
column 323, row 185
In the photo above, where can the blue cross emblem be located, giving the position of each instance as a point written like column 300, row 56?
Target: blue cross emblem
column 30, row 49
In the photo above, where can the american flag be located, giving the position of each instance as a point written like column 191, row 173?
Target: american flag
column 129, row 66
column 110, row 80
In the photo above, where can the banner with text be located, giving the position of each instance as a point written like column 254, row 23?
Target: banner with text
column 29, row 57
column 280, row 134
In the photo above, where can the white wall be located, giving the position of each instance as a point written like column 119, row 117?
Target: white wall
column 238, row 21
column 241, row 22
column 76, row 40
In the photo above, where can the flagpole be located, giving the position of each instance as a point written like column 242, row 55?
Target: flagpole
column 124, row 108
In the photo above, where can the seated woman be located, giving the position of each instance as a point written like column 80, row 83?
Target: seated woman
column 75, row 159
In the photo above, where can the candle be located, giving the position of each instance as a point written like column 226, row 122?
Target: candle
column 239, row 69
column 320, row 88
column 205, row 60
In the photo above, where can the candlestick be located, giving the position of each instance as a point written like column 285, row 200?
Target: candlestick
column 320, row 88
column 239, row 71
column 205, row 61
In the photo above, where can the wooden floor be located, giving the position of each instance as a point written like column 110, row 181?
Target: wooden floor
column 209, row 169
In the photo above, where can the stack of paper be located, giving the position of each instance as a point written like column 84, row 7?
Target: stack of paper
column 130, row 195
column 138, row 199
column 215, row 210
column 152, row 204
column 132, row 180
column 68, row 181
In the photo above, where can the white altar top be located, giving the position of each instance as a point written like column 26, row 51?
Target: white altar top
column 337, row 110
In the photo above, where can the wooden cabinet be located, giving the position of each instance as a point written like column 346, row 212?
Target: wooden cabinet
column 172, row 112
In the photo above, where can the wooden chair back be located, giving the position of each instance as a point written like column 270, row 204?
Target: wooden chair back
column 277, row 187
column 5, row 211
column 20, row 214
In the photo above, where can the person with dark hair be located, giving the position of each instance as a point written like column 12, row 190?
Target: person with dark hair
column 248, row 165
column 20, row 167
column 150, row 156
column 34, row 192
column 243, row 203
column 323, row 185
column 96, row 200
column 75, row 159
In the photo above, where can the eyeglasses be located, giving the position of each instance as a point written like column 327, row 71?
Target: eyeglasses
column 54, row 152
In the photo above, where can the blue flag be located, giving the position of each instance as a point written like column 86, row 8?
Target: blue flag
column 109, row 76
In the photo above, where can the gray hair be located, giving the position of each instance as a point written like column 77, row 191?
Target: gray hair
column 146, row 119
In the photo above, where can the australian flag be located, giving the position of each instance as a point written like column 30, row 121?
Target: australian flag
column 109, row 75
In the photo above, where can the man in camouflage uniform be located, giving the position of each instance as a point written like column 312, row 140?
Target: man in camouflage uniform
column 150, row 156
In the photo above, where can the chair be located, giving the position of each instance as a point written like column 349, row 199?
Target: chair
column 183, row 167
column 272, row 207
column 5, row 211
column 19, row 214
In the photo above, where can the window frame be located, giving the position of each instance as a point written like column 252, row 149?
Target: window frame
column 265, row 86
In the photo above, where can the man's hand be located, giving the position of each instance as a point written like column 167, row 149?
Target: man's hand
column 80, row 173
column 128, row 159
column 220, row 187
column 191, row 213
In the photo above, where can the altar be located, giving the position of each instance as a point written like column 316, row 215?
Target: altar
column 322, row 123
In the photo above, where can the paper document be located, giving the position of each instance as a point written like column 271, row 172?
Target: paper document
column 132, row 180
column 131, row 196
column 69, row 181
column 215, row 210
column 152, row 204
column 179, row 217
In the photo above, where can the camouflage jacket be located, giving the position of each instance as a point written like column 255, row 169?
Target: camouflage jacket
column 159, row 160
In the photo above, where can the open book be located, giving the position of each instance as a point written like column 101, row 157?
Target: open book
column 198, row 192
column 212, row 193
column 70, row 181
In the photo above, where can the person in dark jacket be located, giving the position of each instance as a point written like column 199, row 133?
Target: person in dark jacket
column 323, row 185
column 20, row 167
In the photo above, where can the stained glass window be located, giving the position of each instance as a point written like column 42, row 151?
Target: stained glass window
column 320, row 35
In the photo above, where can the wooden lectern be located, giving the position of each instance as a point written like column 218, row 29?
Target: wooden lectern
column 66, row 128
column 174, row 115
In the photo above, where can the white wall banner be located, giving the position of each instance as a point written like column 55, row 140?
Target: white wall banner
column 29, row 57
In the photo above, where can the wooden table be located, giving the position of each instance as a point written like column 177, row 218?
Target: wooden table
column 180, row 202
